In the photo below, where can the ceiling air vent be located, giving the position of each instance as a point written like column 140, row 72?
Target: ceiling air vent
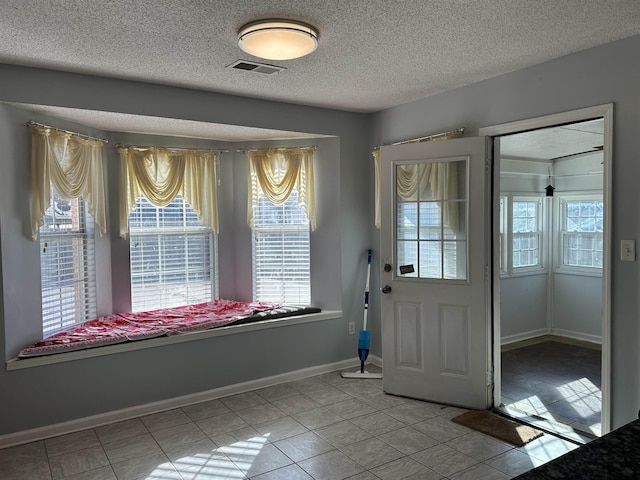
column 256, row 67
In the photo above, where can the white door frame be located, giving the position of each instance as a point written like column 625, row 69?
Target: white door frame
column 606, row 112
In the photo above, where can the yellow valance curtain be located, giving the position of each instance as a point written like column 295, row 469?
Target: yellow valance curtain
column 275, row 173
column 435, row 181
column 161, row 174
column 73, row 165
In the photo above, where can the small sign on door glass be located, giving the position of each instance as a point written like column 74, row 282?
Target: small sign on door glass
column 404, row 269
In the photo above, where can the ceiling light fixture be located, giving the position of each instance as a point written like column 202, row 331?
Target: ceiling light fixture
column 278, row 39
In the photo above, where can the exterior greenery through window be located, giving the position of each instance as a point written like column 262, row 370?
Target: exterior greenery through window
column 281, row 258
column 67, row 264
column 173, row 256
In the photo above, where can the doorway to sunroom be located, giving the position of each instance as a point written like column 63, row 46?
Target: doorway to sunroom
column 551, row 257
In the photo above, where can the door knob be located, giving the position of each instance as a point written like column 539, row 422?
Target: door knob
column 387, row 267
column 385, row 289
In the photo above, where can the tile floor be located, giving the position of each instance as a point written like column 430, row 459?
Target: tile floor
column 322, row 427
column 556, row 381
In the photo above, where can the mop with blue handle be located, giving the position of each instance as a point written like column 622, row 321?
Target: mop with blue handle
column 364, row 339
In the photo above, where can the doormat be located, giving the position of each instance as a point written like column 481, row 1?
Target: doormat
column 498, row 427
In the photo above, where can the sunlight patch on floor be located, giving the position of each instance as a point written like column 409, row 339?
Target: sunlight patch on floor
column 224, row 463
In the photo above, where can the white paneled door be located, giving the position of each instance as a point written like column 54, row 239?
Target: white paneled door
column 436, row 327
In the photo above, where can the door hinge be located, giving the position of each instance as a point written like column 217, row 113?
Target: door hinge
column 489, row 379
column 487, row 165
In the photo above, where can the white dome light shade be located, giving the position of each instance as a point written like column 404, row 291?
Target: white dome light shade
column 278, row 39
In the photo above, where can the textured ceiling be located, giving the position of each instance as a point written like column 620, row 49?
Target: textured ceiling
column 372, row 54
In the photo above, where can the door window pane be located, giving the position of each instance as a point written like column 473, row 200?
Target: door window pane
column 431, row 219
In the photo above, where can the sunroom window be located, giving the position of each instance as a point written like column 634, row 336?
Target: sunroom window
column 526, row 233
column 582, row 227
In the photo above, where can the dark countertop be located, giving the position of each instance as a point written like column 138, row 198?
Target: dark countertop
column 613, row 456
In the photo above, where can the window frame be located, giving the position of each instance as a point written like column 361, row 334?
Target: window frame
column 560, row 229
column 169, row 231
column 256, row 229
column 88, row 264
column 507, row 235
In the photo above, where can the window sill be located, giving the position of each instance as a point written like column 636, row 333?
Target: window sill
column 20, row 363
column 524, row 273
column 580, row 272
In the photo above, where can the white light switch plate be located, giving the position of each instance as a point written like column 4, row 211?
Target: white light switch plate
column 628, row 250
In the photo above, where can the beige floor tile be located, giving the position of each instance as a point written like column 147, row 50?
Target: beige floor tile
column 304, row 446
column 405, row 468
column 342, row 434
column 71, row 442
column 317, row 418
column 479, row 446
column 371, row 453
column 131, row 447
column 120, row 430
column 77, row 462
column 408, row 440
column 332, row 465
column 280, row 428
column 201, row 410
column 377, row 423
column 155, row 465
column 166, row 419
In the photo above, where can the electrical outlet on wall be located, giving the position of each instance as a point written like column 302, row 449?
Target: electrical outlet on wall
column 352, row 328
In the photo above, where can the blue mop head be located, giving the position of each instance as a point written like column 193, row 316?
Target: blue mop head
column 364, row 342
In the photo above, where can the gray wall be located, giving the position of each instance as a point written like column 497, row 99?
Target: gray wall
column 593, row 77
column 44, row 395
column 577, row 306
column 523, row 306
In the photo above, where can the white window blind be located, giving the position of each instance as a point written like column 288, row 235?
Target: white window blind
column 173, row 256
column 582, row 241
column 67, row 264
column 281, row 258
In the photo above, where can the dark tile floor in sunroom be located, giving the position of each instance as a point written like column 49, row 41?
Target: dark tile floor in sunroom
column 557, row 380
column 321, row 427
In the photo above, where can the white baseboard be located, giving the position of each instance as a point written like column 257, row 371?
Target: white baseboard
column 584, row 337
column 93, row 421
column 376, row 360
column 519, row 337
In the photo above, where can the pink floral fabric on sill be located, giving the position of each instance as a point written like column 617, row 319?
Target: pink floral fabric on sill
column 126, row 327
